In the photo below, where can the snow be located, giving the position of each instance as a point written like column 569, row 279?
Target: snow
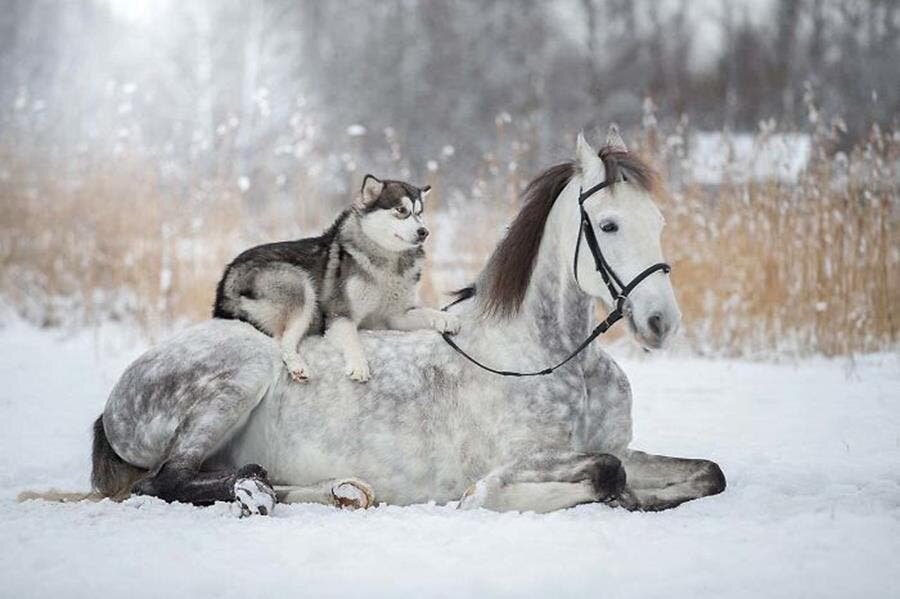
column 743, row 157
column 812, row 509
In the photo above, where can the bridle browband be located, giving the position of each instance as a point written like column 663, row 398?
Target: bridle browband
column 617, row 290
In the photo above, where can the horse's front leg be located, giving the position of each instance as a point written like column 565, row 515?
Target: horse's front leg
column 660, row 482
column 549, row 481
column 345, row 493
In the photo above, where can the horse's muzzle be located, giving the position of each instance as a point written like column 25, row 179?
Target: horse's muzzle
column 654, row 330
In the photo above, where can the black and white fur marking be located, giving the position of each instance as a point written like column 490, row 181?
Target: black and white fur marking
column 361, row 272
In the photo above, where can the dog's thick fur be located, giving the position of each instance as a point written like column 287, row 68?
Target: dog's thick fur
column 361, row 272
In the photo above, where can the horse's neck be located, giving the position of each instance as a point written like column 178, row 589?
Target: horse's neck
column 555, row 313
column 559, row 309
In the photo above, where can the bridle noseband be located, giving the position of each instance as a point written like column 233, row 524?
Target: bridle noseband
column 617, row 290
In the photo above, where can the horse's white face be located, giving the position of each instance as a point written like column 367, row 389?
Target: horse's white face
column 628, row 227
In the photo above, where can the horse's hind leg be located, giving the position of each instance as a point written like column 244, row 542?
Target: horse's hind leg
column 661, row 482
column 248, row 486
column 345, row 493
column 548, row 482
column 220, row 408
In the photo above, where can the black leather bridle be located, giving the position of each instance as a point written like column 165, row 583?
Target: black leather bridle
column 618, row 291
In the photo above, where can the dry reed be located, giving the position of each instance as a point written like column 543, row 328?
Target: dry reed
column 760, row 267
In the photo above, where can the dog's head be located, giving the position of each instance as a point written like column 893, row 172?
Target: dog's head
column 390, row 213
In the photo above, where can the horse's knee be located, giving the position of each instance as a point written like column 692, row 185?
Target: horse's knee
column 607, row 476
column 711, row 476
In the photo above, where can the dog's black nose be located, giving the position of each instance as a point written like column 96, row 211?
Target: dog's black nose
column 423, row 233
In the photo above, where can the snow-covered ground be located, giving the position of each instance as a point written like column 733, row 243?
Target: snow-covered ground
column 811, row 451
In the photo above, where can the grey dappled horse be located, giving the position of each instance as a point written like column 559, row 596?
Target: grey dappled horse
column 211, row 415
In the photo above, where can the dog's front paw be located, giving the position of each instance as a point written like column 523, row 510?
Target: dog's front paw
column 442, row 322
column 358, row 370
column 296, row 367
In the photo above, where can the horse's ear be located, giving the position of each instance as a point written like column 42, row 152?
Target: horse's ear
column 614, row 139
column 588, row 160
column 369, row 193
column 583, row 149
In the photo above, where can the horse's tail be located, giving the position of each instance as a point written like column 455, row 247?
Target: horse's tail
column 111, row 476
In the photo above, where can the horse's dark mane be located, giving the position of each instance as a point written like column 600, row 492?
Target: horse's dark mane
column 509, row 268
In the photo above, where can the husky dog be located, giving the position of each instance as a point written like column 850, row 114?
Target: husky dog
column 361, row 272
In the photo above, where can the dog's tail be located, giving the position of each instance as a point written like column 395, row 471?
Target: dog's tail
column 111, row 476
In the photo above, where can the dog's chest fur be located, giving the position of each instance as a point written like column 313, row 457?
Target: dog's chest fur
column 372, row 287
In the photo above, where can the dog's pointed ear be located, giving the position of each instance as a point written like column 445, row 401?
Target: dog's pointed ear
column 614, row 139
column 369, row 193
column 425, row 191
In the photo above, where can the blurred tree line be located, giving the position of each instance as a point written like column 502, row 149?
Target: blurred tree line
column 278, row 93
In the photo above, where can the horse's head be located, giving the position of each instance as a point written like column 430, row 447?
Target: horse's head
column 627, row 227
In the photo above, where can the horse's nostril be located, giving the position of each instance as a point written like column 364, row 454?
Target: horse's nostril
column 423, row 232
column 655, row 322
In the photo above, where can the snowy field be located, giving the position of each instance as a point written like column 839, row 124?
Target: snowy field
column 811, row 451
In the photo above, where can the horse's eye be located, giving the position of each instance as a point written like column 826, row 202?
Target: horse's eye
column 609, row 227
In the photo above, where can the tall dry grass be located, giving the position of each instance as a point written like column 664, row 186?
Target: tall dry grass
column 806, row 268
column 112, row 244
column 760, row 268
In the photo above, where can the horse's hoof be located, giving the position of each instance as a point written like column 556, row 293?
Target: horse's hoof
column 473, row 497
column 352, row 495
column 626, row 499
column 478, row 494
column 254, row 496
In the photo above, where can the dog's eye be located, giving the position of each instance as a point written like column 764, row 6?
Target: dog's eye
column 609, row 226
column 402, row 211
